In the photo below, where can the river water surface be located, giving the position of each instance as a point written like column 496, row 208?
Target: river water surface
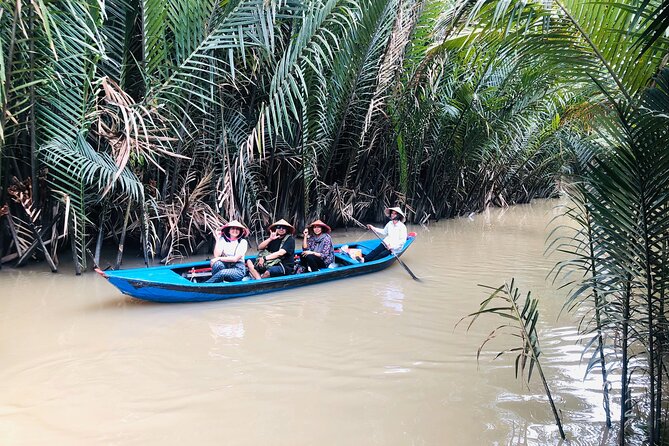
column 375, row 360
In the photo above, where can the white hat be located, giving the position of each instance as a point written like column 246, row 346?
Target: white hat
column 396, row 209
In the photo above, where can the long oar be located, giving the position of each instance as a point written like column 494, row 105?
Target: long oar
column 413, row 276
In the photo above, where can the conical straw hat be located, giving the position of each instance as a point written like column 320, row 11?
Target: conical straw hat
column 282, row 222
column 325, row 227
column 396, row 209
column 236, row 224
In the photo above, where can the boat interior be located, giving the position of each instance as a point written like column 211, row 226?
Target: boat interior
column 344, row 256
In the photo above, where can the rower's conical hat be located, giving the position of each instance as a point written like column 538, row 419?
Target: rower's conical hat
column 396, row 209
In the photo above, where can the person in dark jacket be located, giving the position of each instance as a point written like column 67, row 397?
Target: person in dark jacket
column 275, row 257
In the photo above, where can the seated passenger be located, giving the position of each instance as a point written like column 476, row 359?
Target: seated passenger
column 275, row 257
column 395, row 232
column 318, row 250
column 228, row 262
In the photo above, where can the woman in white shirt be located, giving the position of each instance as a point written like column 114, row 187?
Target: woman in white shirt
column 228, row 262
column 395, row 235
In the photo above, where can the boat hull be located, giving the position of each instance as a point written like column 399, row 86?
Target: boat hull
column 166, row 283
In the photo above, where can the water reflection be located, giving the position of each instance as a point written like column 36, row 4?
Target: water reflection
column 373, row 360
column 392, row 369
column 228, row 329
column 392, row 297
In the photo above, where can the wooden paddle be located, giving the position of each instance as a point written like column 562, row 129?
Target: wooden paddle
column 413, row 276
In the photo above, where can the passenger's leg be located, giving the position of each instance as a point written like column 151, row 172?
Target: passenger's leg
column 314, row 262
column 377, row 253
column 275, row 271
column 252, row 270
column 216, row 269
column 232, row 274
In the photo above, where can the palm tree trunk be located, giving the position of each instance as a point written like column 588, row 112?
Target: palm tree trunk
column 598, row 319
column 100, row 239
column 144, row 235
column 662, row 338
column 651, row 329
column 33, row 152
column 15, row 236
column 75, row 257
column 624, row 403
column 119, row 255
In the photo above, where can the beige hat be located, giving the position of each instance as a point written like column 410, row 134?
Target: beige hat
column 236, row 224
column 282, row 222
column 396, row 209
column 325, row 227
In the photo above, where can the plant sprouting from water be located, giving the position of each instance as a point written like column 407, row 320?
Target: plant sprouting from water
column 521, row 316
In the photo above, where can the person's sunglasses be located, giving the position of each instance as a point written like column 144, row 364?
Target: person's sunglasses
column 280, row 227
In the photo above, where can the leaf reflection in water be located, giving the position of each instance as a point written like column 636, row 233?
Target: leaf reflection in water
column 392, row 297
column 228, row 330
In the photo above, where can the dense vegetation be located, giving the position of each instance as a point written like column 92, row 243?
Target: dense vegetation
column 158, row 120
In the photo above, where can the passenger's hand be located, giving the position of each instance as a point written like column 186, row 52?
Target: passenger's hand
column 273, row 235
column 305, row 232
column 261, row 261
column 370, row 227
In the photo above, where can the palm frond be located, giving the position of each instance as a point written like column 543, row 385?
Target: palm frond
column 77, row 173
column 67, row 77
column 521, row 316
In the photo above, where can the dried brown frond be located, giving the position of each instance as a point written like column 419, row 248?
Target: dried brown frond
column 346, row 204
column 24, row 235
column 189, row 219
column 391, row 65
column 130, row 129
column 225, row 197
column 21, row 192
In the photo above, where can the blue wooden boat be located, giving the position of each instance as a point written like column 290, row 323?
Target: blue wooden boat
column 181, row 283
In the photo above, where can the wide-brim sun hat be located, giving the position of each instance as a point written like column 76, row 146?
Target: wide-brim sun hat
column 325, row 227
column 282, row 222
column 238, row 225
column 396, row 209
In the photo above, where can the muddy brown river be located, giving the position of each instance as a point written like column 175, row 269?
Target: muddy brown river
column 374, row 360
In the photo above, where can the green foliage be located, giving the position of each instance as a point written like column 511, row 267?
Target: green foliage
column 505, row 301
column 284, row 104
column 77, row 174
column 621, row 202
column 520, row 316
